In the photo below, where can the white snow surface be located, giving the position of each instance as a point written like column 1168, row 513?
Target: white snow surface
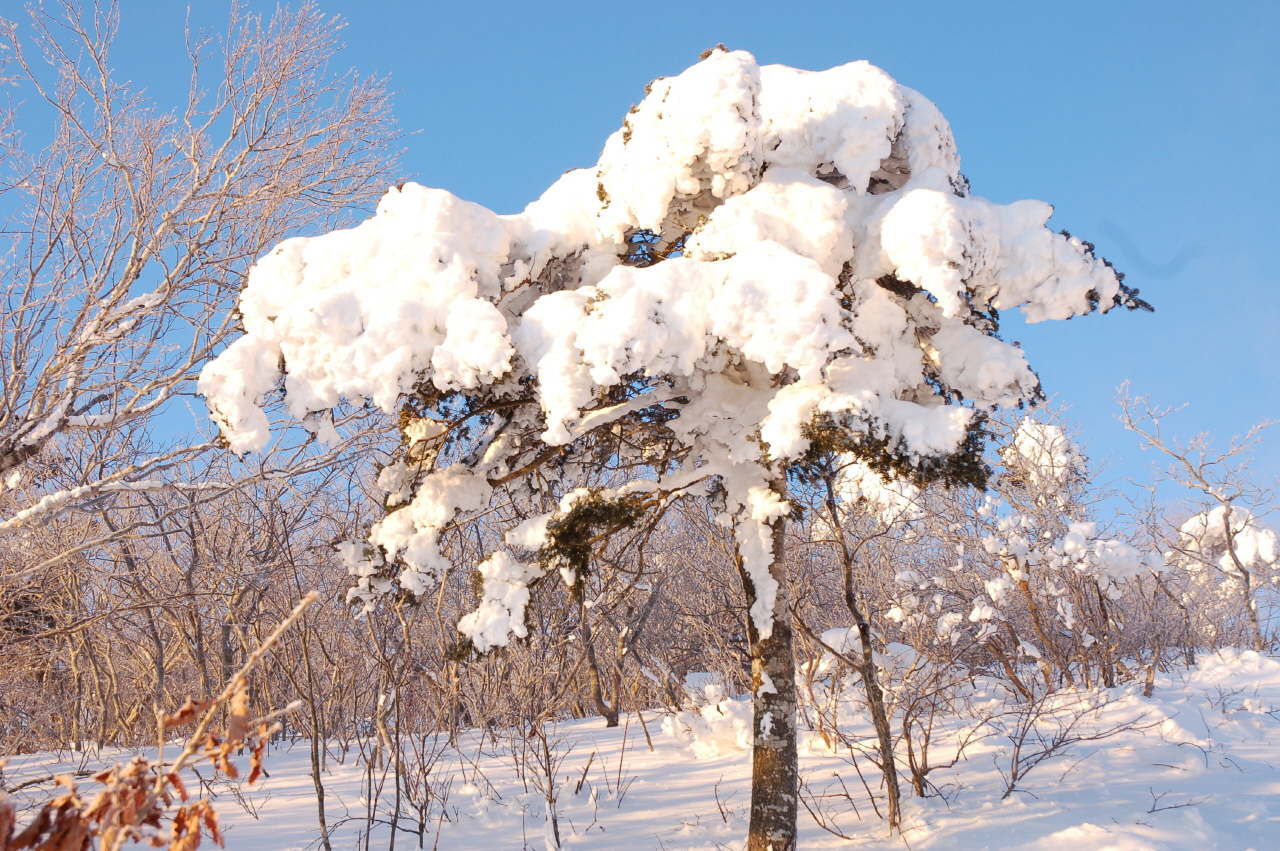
column 1202, row 775
column 803, row 194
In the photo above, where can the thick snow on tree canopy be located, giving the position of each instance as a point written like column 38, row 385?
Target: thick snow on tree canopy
column 757, row 248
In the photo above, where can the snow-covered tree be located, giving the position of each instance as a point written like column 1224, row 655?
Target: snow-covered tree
column 1231, row 550
column 1221, row 538
column 1014, row 583
column 765, row 263
column 1051, row 578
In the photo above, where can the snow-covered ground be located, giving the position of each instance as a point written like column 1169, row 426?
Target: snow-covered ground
column 1197, row 767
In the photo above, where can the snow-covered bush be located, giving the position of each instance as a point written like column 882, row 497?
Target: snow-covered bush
column 1042, row 582
column 714, row 724
column 1021, row 578
column 1231, row 560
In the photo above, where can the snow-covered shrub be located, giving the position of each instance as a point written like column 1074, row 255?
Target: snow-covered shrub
column 1231, row 562
column 715, row 725
column 1022, row 579
column 1218, row 539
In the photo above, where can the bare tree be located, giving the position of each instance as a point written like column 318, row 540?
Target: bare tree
column 128, row 235
column 1221, row 532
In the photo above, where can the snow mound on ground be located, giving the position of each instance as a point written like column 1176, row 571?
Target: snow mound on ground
column 1094, row 838
column 719, row 728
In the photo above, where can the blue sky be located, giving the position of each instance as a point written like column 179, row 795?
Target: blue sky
column 1154, row 129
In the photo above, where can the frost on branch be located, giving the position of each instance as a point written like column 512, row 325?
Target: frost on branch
column 760, row 256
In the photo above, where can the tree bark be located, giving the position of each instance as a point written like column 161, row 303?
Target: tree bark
column 774, row 767
column 875, row 700
column 604, row 710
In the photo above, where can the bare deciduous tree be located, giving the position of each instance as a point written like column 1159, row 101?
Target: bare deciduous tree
column 1220, row 533
column 128, row 235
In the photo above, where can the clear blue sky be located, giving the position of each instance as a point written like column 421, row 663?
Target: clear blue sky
column 1154, row 128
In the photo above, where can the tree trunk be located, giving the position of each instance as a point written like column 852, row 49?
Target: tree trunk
column 77, row 678
column 604, row 710
column 867, row 670
column 318, row 739
column 1105, row 648
column 1251, row 609
column 875, row 701
column 1188, row 640
column 1246, row 589
column 774, row 769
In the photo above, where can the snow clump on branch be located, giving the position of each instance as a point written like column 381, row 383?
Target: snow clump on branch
column 758, row 250
column 1242, row 542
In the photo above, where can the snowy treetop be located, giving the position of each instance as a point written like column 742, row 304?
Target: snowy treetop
column 757, row 247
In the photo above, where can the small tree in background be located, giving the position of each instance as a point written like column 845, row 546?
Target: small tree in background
column 1221, row 538
column 766, row 266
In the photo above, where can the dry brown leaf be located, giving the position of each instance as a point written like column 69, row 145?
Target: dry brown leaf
column 59, row 826
column 210, row 816
column 8, row 820
column 176, row 782
column 225, row 765
column 187, row 713
column 255, row 756
column 31, row 834
column 69, row 833
column 186, row 829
